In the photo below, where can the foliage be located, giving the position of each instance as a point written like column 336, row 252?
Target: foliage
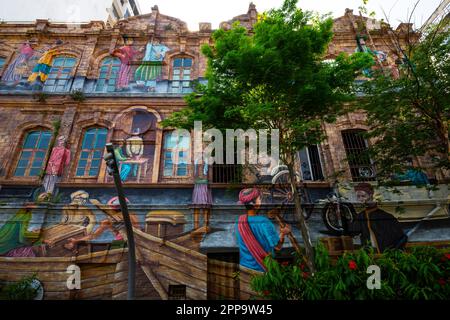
column 267, row 78
column 78, row 95
column 422, row 273
column 409, row 114
column 21, row 290
column 274, row 77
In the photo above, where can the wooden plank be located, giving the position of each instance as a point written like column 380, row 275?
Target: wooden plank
column 155, row 282
column 8, row 275
column 181, row 278
column 98, row 281
column 120, row 287
column 225, row 282
column 21, row 266
column 144, row 238
column 191, row 293
column 162, row 259
column 104, row 291
column 93, row 271
column 108, row 256
column 182, row 257
column 50, row 295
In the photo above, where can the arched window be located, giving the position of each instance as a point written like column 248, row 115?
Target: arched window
column 181, row 73
column 59, row 76
column 356, row 146
column 109, row 70
column 32, row 156
column 91, row 152
column 175, row 155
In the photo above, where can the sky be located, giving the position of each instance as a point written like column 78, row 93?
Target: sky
column 214, row 11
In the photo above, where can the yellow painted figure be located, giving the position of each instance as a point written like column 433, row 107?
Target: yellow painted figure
column 43, row 66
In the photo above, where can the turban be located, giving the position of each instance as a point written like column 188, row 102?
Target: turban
column 115, row 204
column 78, row 193
column 366, row 187
column 248, row 195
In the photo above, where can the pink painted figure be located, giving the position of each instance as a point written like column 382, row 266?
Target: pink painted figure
column 59, row 159
column 125, row 54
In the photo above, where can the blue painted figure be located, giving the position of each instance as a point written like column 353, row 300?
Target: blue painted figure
column 125, row 168
column 256, row 235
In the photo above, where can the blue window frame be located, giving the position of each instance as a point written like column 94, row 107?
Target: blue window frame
column 107, row 78
column 181, row 73
column 91, row 152
column 60, row 73
column 34, row 151
column 175, row 155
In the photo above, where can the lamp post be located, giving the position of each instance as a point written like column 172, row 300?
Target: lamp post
column 113, row 169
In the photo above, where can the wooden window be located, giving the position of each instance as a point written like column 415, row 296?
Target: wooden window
column 34, row 151
column 91, row 152
column 181, row 73
column 109, row 71
column 175, row 155
column 360, row 164
column 60, row 74
column 310, row 164
column 177, row 292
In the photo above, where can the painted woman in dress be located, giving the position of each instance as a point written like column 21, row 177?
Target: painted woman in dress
column 150, row 69
column 125, row 54
column 201, row 196
column 17, row 68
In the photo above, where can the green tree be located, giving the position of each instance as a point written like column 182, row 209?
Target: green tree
column 408, row 114
column 274, row 77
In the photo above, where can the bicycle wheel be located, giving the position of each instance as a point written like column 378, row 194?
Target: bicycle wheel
column 332, row 219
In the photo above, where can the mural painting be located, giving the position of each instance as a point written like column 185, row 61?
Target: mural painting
column 256, row 234
column 201, row 196
column 18, row 68
column 168, row 241
column 43, row 66
column 150, row 70
column 58, row 161
column 126, row 54
column 134, row 138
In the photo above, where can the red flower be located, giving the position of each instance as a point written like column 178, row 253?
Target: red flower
column 447, row 255
column 285, row 263
column 302, row 266
column 305, row 275
column 352, row 265
column 266, row 292
column 442, row 282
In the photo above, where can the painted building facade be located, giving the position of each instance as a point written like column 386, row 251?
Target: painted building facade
column 65, row 93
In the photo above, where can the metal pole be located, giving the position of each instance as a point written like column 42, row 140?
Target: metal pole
column 128, row 225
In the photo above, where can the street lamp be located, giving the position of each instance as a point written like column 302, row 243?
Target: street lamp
column 113, row 169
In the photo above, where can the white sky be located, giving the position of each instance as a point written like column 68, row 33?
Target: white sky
column 214, row 11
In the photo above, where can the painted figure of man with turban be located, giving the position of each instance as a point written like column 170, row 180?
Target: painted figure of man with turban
column 256, row 234
column 377, row 227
